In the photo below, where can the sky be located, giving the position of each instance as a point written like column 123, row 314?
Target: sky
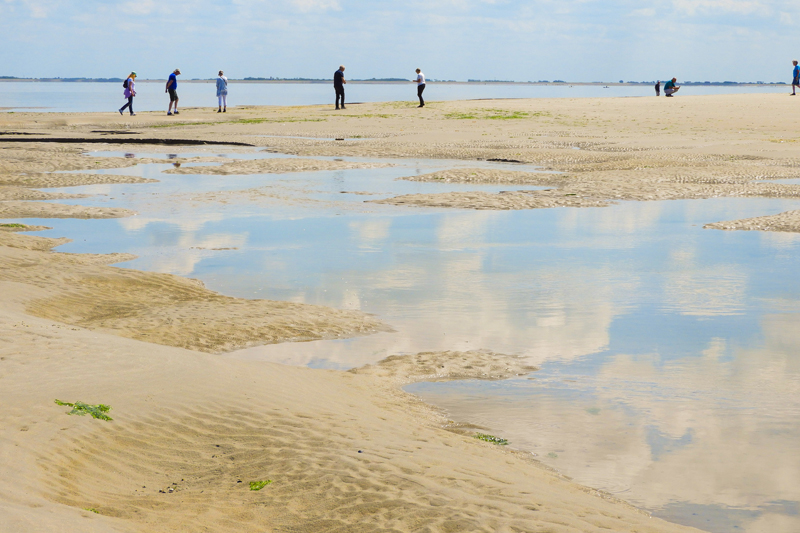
column 572, row 40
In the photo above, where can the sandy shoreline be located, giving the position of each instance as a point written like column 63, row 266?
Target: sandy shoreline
column 345, row 450
column 191, row 430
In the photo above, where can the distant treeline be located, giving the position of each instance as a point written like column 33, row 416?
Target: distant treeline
column 324, row 80
column 117, row 80
column 710, row 82
column 321, row 79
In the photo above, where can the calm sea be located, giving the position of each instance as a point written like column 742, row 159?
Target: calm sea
column 75, row 97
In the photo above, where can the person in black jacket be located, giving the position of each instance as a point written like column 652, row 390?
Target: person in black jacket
column 338, row 85
column 658, row 88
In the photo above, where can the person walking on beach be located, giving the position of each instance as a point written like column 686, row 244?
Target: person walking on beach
column 129, row 93
column 670, row 88
column 658, row 88
column 172, row 89
column 222, row 93
column 338, row 85
column 795, row 76
column 420, row 81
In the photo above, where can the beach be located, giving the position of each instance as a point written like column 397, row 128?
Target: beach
column 344, row 450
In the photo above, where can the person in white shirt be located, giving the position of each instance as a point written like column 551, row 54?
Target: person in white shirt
column 420, row 81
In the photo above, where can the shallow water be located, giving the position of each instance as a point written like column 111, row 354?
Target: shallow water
column 94, row 96
column 669, row 367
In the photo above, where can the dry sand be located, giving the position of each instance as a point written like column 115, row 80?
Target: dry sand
column 191, row 429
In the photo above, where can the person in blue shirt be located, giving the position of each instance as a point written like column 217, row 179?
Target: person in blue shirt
column 338, row 85
column 795, row 77
column 670, row 88
column 172, row 89
column 222, row 93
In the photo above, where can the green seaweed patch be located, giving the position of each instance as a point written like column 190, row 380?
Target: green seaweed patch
column 492, row 114
column 176, row 124
column 461, row 116
column 91, row 510
column 593, row 410
column 278, row 120
column 369, row 115
column 258, row 485
column 491, row 438
column 552, row 455
column 81, row 409
column 501, row 114
column 13, row 225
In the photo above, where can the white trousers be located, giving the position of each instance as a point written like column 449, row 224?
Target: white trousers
column 223, row 100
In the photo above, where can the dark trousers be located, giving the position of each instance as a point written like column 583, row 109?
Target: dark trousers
column 658, row 91
column 339, row 94
column 420, row 88
column 129, row 105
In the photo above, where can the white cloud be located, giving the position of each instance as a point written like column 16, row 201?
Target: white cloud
column 139, row 7
column 741, row 7
column 307, row 6
column 691, row 289
column 371, row 233
column 68, row 37
column 40, row 9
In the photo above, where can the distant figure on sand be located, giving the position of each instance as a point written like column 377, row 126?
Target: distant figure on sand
column 338, row 85
column 172, row 89
column 795, row 76
column 420, row 81
column 670, row 88
column 129, row 93
column 658, row 88
column 222, row 93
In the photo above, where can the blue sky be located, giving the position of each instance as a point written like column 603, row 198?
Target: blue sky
column 574, row 40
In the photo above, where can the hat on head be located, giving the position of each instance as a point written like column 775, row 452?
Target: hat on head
column 133, row 73
column 177, row 70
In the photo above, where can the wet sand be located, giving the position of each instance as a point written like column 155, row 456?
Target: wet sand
column 272, row 166
column 788, row 221
column 345, row 450
column 604, row 150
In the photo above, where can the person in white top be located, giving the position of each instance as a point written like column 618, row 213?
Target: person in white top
column 420, row 81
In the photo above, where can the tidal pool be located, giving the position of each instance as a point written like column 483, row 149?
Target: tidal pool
column 670, row 372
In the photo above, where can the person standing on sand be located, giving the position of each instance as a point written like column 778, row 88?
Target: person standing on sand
column 658, row 88
column 420, row 81
column 670, row 88
column 222, row 93
column 129, row 93
column 172, row 89
column 338, row 85
column 795, row 76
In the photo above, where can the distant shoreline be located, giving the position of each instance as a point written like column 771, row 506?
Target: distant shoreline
column 399, row 82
